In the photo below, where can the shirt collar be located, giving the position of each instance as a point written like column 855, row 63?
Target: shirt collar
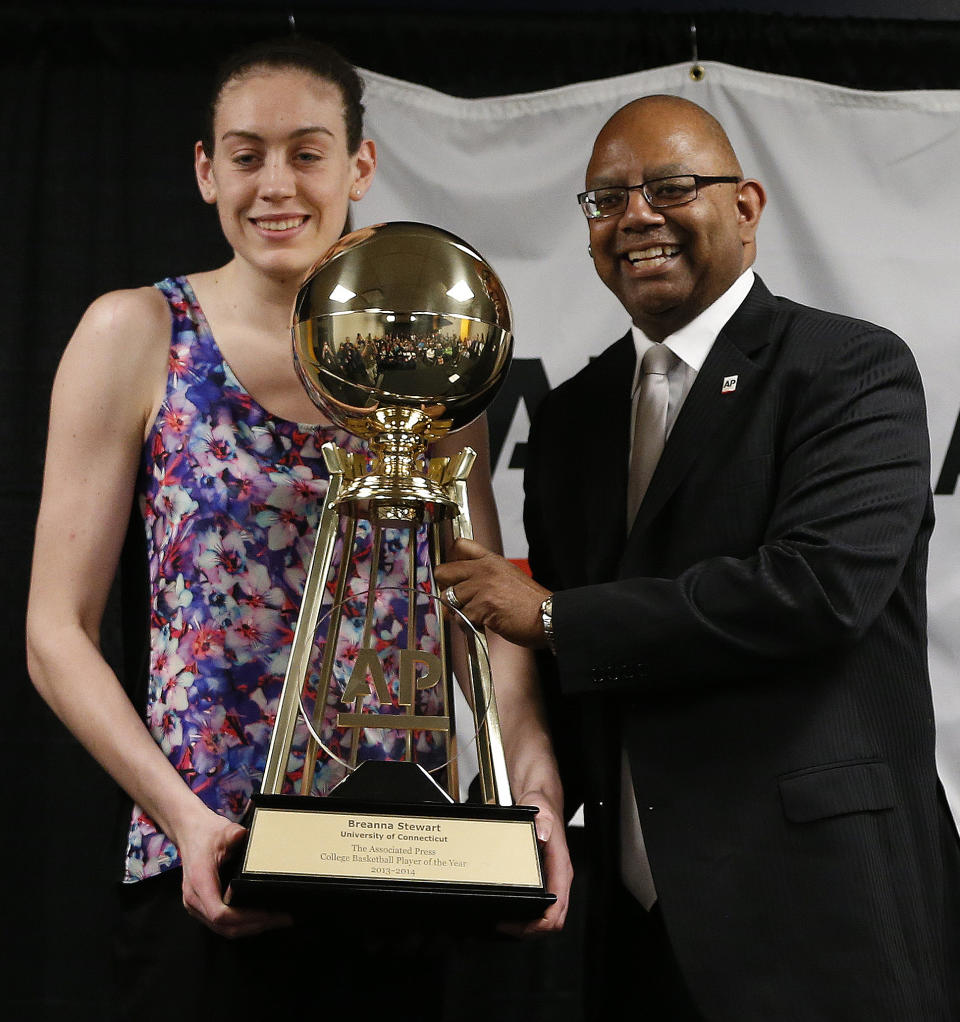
column 692, row 343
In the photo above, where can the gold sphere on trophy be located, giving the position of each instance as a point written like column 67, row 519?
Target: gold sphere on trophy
column 401, row 335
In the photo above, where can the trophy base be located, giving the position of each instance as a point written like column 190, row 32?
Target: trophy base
column 448, row 909
column 474, row 860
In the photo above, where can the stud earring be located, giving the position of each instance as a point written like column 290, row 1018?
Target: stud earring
column 590, row 251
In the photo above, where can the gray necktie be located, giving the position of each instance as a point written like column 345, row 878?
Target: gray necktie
column 650, row 432
column 649, row 436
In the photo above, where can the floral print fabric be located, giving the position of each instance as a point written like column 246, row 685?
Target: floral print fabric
column 230, row 497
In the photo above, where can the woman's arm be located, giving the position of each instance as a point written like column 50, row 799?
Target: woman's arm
column 109, row 385
column 531, row 764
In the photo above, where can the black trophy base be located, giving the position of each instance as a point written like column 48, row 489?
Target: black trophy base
column 362, row 843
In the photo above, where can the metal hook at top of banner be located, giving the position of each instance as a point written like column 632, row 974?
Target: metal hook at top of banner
column 697, row 70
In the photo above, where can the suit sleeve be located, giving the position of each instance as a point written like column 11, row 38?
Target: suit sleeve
column 847, row 526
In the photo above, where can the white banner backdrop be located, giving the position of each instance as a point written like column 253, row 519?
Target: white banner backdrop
column 863, row 217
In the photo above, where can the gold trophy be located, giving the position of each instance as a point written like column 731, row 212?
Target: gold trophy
column 402, row 334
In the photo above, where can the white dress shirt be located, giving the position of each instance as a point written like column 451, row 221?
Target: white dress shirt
column 691, row 344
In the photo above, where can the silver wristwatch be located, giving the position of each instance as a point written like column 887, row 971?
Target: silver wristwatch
column 546, row 616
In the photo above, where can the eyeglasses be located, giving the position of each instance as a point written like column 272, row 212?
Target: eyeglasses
column 660, row 193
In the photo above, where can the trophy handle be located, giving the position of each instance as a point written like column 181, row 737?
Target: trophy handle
column 494, row 781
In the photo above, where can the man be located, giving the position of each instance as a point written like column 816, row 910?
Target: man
column 738, row 623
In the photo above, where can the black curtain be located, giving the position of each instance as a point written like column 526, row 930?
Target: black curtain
column 101, row 106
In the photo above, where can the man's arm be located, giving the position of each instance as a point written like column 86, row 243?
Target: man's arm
column 851, row 493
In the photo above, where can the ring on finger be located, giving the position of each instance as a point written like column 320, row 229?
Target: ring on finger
column 451, row 597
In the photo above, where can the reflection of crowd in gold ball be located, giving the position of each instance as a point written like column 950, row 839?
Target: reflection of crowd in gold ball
column 399, row 351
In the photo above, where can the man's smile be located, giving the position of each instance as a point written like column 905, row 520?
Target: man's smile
column 652, row 256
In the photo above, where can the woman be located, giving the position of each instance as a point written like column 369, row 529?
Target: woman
column 143, row 395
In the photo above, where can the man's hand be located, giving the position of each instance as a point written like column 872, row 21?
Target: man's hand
column 493, row 593
column 211, row 842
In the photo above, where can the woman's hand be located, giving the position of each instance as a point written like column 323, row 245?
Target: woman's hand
column 207, row 847
column 558, row 869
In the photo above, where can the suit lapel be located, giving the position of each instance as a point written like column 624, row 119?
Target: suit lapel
column 721, row 396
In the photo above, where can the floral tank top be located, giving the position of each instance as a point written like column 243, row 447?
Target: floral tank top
column 230, row 497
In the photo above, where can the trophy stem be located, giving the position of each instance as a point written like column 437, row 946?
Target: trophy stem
column 288, row 708
column 375, row 541
column 449, row 707
column 398, row 454
column 494, row 780
column 349, row 533
column 411, row 618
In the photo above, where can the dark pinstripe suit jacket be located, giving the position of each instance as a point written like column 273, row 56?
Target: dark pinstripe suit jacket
column 759, row 641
